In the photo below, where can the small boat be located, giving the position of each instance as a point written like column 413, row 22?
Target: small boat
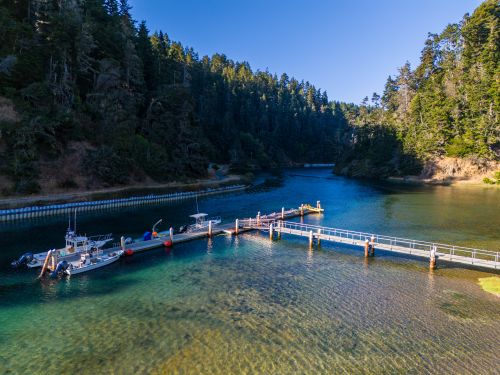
column 202, row 222
column 75, row 244
column 91, row 260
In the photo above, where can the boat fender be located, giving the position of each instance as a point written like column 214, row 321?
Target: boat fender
column 60, row 268
column 167, row 243
column 128, row 252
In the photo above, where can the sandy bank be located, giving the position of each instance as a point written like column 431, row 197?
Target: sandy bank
column 12, row 202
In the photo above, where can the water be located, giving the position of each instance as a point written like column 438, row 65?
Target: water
column 246, row 305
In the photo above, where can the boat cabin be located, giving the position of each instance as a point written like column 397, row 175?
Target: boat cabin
column 201, row 221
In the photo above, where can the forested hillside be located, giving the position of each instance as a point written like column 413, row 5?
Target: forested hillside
column 449, row 105
column 91, row 98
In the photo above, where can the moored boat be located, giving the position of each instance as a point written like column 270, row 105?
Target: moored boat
column 75, row 244
column 202, row 222
column 92, row 260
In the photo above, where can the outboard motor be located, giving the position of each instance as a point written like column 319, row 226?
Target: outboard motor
column 23, row 260
column 60, row 268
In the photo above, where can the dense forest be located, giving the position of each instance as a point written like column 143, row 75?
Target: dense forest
column 89, row 98
column 87, row 90
column 449, row 105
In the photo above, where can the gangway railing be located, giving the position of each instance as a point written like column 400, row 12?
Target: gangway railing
column 448, row 252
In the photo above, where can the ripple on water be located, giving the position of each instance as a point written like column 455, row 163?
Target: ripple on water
column 256, row 307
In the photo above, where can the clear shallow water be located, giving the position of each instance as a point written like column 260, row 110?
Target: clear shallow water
column 246, row 305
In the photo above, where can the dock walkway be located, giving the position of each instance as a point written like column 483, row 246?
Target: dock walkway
column 235, row 227
column 277, row 222
column 370, row 241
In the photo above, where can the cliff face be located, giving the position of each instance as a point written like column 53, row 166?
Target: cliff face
column 442, row 170
column 458, row 169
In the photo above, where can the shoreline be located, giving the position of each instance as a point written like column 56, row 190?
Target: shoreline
column 414, row 180
column 114, row 192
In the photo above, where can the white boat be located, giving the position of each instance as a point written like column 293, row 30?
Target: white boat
column 202, row 222
column 75, row 244
column 92, row 260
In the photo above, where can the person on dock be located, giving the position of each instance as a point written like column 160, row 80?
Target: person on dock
column 146, row 236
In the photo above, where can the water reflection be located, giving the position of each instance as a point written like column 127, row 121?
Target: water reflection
column 248, row 304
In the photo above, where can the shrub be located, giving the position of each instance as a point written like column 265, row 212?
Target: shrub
column 106, row 166
column 489, row 181
column 458, row 147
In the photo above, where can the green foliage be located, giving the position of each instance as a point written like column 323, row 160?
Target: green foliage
column 459, row 147
column 83, row 71
column 448, row 106
column 497, row 175
column 105, row 165
column 489, row 181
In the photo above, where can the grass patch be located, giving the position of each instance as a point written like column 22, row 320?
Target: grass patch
column 490, row 284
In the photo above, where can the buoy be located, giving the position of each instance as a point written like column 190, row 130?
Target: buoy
column 129, row 252
column 167, row 243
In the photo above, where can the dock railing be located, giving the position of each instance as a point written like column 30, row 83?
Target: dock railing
column 410, row 246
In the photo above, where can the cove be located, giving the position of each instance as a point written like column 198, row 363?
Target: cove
column 245, row 304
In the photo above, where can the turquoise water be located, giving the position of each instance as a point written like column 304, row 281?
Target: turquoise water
column 248, row 305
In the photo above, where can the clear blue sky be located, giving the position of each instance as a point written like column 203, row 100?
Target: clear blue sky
column 345, row 47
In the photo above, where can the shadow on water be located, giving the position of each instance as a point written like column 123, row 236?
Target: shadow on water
column 110, row 280
column 60, row 290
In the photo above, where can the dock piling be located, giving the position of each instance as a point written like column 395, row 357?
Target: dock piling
column 236, row 226
column 210, row 228
column 171, row 234
column 282, row 213
column 271, row 231
column 432, row 260
column 367, row 247
column 311, row 239
column 373, row 246
column 319, row 236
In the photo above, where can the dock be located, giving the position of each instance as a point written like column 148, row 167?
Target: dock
column 277, row 224
column 169, row 238
column 233, row 228
column 432, row 251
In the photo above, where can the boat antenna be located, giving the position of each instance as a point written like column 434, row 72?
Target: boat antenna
column 197, row 209
column 69, row 221
column 75, row 222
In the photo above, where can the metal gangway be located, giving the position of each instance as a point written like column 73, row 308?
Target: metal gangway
column 445, row 252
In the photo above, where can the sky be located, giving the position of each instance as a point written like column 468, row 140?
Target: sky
column 346, row 47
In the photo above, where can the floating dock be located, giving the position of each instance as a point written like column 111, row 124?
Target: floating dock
column 277, row 223
column 237, row 227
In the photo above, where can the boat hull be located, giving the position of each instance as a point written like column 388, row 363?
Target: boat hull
column 90, row 267
column 39, row 258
